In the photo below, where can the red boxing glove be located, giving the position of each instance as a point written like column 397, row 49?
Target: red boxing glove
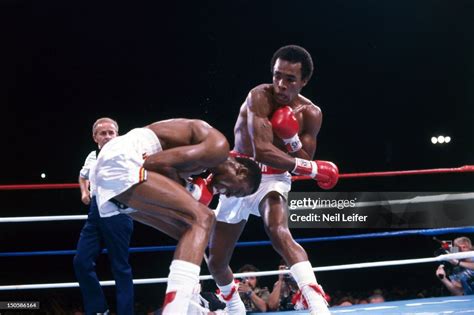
column 325, row 172
column 200, row 190
column 286, row 127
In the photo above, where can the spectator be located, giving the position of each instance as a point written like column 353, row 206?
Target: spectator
column 345, row 301
column 461, row 280
column 376, row 298
column 283, row 291
column 254, row 298
column 362, row 301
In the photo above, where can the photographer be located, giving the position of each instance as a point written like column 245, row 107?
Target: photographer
column 460, row 280
column 283, row 291
column 254, row 297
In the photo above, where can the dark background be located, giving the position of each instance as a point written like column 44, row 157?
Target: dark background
column 389, row 75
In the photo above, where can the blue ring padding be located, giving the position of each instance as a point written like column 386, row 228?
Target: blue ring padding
column 427, row 232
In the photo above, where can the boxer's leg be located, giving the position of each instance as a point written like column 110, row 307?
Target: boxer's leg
column 221, row 246
column 170, row 227
column 274, row 212
column 161, row 197
column 174, row 229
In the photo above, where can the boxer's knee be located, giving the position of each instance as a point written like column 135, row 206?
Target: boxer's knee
column 205, row 218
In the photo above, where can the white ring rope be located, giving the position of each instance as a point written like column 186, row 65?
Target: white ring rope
column 418, row 199
column 414, row 200
column 44, row 218
column 445, row 257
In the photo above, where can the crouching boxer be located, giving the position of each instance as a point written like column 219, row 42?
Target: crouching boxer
column 146, row 171
column 278, row 128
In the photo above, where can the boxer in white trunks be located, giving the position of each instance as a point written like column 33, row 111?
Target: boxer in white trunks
column 146, row 171
column 277, row 127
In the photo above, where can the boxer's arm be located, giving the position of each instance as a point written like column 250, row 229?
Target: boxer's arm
column 189, row 159
column 261, row 134
column 173, row 161
column 312, row 121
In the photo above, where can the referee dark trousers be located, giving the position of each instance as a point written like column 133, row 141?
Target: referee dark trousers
column 115, row 232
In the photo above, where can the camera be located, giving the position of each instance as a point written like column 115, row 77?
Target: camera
column 446, row 247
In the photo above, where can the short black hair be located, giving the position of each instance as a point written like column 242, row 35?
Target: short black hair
column 254, row 175
column 295, row 54
column 248, row 268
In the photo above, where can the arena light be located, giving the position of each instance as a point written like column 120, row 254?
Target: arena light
column 43, row 175
column 440, row 139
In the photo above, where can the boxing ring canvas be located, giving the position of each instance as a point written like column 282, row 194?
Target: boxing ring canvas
column 428, row 306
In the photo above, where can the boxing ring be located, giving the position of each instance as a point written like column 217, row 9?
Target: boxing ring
column 437, row 305
column 426, row 306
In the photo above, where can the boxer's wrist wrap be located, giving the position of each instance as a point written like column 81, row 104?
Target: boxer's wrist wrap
column 193, row 189
column 293, row 144
column 305, row 167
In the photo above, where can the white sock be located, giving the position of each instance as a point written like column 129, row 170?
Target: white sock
column 303, row 273
column 182, row 278
column 226, row 289
column 235, row 304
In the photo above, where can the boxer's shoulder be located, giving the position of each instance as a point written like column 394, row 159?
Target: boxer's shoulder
column 304, row 101
column 264, row 88
column 262, row 92
column 259, row 99
column 306, row 106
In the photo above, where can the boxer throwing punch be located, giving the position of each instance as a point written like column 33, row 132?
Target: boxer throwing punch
column 278, row 128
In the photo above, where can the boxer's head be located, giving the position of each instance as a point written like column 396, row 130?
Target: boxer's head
column 103, row 130
column 292, row 67
column 236, row 177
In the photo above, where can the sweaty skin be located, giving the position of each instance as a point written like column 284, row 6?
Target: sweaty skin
column 254, row 137
column 189, row 148
column 253, row 130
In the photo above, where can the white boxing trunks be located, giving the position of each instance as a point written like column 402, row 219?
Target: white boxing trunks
column 119, row 167
column 233, row 210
